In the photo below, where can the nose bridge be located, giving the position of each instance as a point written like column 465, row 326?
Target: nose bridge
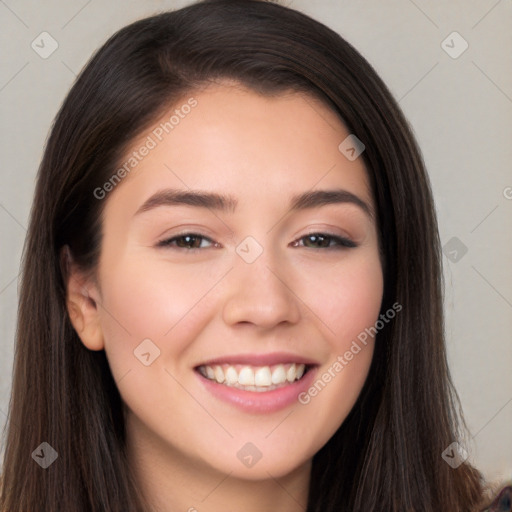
column 258, row 291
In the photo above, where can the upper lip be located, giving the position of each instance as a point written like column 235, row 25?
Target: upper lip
column 259, row 359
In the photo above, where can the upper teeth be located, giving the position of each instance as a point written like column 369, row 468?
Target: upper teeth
column 253, row 376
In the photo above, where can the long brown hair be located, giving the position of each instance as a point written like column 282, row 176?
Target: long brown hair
column 387, row 453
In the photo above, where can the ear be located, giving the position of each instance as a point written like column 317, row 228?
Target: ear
column 82, row 301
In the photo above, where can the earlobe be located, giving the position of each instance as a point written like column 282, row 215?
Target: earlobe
column 83, row 310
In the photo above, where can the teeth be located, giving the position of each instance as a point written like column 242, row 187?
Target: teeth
column 263, row 377
column 218, row 374
column 254, row 378
column 231, row 375
column 278, row 375
column 246, row 377
column 210, row 373
column 291, row 373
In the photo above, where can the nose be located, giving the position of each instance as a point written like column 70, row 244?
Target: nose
column 260, row 293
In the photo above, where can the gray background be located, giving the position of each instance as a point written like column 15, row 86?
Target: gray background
column 460, row 110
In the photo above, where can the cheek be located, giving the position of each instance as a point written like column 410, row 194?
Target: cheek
column 347, row 299
column 155, row 301
column 346, row 296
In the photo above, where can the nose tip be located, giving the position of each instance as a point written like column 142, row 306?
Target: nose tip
column 260, row 295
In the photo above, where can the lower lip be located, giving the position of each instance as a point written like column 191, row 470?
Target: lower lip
column 260, row 402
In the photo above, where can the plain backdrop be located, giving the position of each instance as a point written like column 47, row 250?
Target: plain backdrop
column 457, row 99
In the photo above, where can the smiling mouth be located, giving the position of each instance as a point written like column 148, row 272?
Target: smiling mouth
column 254, row 378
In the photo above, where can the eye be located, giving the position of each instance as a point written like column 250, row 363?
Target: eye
column 324, row 241
column 187, row 241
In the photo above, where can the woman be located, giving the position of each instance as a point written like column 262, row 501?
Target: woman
column 231, row 296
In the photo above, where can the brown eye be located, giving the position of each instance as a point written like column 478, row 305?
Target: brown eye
column 186, row 241
column 325, row 241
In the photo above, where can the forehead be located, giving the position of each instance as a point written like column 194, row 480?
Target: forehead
column 228, row 138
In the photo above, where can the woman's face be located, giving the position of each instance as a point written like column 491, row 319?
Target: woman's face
column 238, row 252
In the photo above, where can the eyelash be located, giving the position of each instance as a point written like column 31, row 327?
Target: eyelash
column 341, row 242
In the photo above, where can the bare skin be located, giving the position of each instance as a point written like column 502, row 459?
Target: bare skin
column 198, row 299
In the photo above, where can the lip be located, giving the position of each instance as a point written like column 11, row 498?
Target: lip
column 260, row 359
column 264, row 402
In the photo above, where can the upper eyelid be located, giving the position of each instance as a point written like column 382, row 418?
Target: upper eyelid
column 347, row 242
column 165, row 240
column 205, row 237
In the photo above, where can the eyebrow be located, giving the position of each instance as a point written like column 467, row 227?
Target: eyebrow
column 225, row 203
column 316, row 198
column 173, row 197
